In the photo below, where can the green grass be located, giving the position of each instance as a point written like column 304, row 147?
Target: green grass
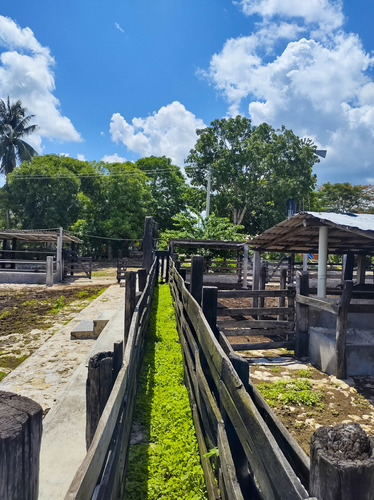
column 291, row 392
column 166, row 464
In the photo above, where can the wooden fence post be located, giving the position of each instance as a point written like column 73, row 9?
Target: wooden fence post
column 130, row 300
column 341, row 330
column 256, row 275
column 98, row 387
column 209, row 306
column 183, row 272
column 20, row 438
column 302, row 317
column 142, row 279
column 342, row 463
column 197, row 275
column 282, row 286
column 147, row 244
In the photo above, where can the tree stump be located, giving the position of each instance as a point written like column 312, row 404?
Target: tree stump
column 342, row 463
column 20, row 438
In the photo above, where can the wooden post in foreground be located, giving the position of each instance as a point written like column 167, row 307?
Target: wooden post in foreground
column 142, row 279
column 341, row 330
column 130, row 300
column 341, row 463
column 209, row 306
column 147, row 244
column 20, row 438
column 197, row 275
column 302, row 317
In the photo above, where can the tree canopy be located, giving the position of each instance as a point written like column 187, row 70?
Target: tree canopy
column 254, row 170
column 14, row 125
column 343, row 197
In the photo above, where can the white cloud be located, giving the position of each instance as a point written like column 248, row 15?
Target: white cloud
column 119, row 27
column 300, row 69
column 81, row 157
column 326, row 13
column 26, row 73
column 171, row 131
column 113, row 159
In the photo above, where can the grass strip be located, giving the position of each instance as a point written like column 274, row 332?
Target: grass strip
column 165, row 464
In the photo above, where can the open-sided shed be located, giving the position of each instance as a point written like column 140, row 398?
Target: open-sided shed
column 20, row 263
column 339, row 336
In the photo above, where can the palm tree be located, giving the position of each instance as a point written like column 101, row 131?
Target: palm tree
column 13, row 126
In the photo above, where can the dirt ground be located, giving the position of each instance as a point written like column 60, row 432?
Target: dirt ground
column 31, row 314
column 351, row 400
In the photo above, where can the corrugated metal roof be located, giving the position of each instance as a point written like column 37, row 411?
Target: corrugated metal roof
column 36, row 236
column 300, row 233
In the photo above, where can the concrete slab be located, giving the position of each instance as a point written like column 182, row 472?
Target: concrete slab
column 84, row 330
column 101, row 321
column 63, row 443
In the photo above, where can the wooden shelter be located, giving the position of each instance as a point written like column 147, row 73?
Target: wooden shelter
column 323, row 233
column 20, row 263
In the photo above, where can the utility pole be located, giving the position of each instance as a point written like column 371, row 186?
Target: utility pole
column 209, row 177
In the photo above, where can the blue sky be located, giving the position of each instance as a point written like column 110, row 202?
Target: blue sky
column 127, row 79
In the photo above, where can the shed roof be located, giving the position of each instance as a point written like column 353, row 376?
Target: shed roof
column 36, row 236
column 300, row 233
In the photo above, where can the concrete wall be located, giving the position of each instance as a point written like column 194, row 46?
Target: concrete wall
column 24, row 278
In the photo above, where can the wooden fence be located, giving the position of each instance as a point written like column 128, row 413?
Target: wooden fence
column 253, row 462
column 102, row 473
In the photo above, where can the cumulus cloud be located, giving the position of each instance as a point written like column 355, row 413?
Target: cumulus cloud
column 26, row 73
column 171, row 131
column 299, row 68
column 113, row 159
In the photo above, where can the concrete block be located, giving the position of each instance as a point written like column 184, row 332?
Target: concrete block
column 84, row 330
column 101, row 321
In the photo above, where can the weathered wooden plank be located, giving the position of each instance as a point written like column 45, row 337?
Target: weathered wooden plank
column 86, row 477
column 317, row 303
column 361, row 308
column 277, row 480
column 250, row 311
column 252, row 332
column 264, row 345
column 233, row 294
column 257, row 323
column 233, row 490
column 289, row 446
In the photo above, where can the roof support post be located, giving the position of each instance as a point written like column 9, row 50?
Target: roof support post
column 245, row 266
column 322, row 261
column 59, row 255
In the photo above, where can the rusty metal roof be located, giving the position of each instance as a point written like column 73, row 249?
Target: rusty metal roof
column 36, row 236
column 300, row 233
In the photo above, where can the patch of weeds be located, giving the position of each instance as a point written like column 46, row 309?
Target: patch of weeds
column 275, row 369
column 29, row 303
column 12, row 362
column 304, row 373
column 361, row 401
column 291, row 392
column 2, row 375
column 59, row 304
column 335, row 413
column 5, row 314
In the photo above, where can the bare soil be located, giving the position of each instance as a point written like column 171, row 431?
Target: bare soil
column 31, row 314
column 347, row 401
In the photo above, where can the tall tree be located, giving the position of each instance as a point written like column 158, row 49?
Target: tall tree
column 168, row 188
column 343, row 197
column 14, row 124
column 254, row 170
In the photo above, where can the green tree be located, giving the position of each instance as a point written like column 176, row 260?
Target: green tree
column 42, row 194
column 343, row 197
column 14, row 125
column 254, row 170
column 168, row 187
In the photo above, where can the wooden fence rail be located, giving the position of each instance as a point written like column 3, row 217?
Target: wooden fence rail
column 251, row 463
column 102, row 472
